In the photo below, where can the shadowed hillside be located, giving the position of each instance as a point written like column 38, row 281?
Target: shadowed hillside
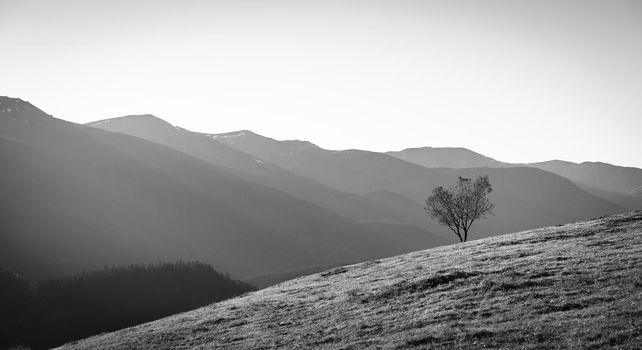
column 260, row 171
column 607, row 177
column 57, row 310
column 574, row 286
column 617, row 184
column 525, row 197
column 81, row 198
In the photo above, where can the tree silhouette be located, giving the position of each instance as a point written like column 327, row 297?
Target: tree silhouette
column 460, row 205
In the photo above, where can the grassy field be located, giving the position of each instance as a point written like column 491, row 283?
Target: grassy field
column 573, row 286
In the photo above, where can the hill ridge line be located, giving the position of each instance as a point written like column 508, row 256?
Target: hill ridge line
column 539, row 288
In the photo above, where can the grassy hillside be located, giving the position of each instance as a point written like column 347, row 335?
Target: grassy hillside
column 572, row 286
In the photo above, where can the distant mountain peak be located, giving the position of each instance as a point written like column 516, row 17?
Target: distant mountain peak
column 147, row 126
column 148, row 119
column 10, row 106
column 7, row 102
column 290, row 145
column 440, row 149
column 447, row 157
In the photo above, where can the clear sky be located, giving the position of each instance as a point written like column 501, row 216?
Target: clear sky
column 519, row 81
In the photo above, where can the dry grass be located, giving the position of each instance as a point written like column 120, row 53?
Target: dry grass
column 573, row 286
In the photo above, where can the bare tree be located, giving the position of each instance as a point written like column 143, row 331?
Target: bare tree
column 460, row 205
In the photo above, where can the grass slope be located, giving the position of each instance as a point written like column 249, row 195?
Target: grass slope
column 572, row 286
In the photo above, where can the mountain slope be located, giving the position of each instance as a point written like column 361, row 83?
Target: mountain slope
column 617, row 179
column 525, row 197
column 613, row 183
column 260, row 171
column 152, row 128
column 446, row 157
column 80, row 198
column 630, row 201
column 575, row 286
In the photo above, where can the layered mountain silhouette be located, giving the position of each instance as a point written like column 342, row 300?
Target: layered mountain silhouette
column 446, row 157
column 621, row 185
column 618, row 184
column 77, row 197
column 372, row 210
column 525, row 197
column 137, row 189
column 616, row 179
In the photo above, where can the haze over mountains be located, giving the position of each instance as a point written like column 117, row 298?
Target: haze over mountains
column 255, row 169
column 614, row 183
column 80, row 197
column 138, row 189
column 446, row 157
column 525, row 197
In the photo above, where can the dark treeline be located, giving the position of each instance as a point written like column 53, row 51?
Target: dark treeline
column 59, row 310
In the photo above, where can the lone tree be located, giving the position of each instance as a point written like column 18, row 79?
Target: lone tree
column 460, row 205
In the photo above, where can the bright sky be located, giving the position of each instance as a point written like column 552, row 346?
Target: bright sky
column 519, row 81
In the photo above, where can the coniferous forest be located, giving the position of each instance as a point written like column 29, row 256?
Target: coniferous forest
column 59, row 310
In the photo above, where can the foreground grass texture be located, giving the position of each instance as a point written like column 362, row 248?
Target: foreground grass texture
column 572, row 286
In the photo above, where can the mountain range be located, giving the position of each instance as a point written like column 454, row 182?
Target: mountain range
column 617, row 184
column 138, row 189
column 78, row 197
column 526, row 197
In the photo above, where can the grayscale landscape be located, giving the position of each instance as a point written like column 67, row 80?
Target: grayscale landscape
column 338, row 174
column 577, row 287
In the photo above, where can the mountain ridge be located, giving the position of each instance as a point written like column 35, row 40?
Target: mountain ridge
column 611, row 182
column 101, row 181
column 83, row 198
column 446, row 157
column 205, row 147
column 363, row 172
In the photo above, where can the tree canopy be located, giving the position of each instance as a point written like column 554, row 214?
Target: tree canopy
column 57, row 310
column 460, row 205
